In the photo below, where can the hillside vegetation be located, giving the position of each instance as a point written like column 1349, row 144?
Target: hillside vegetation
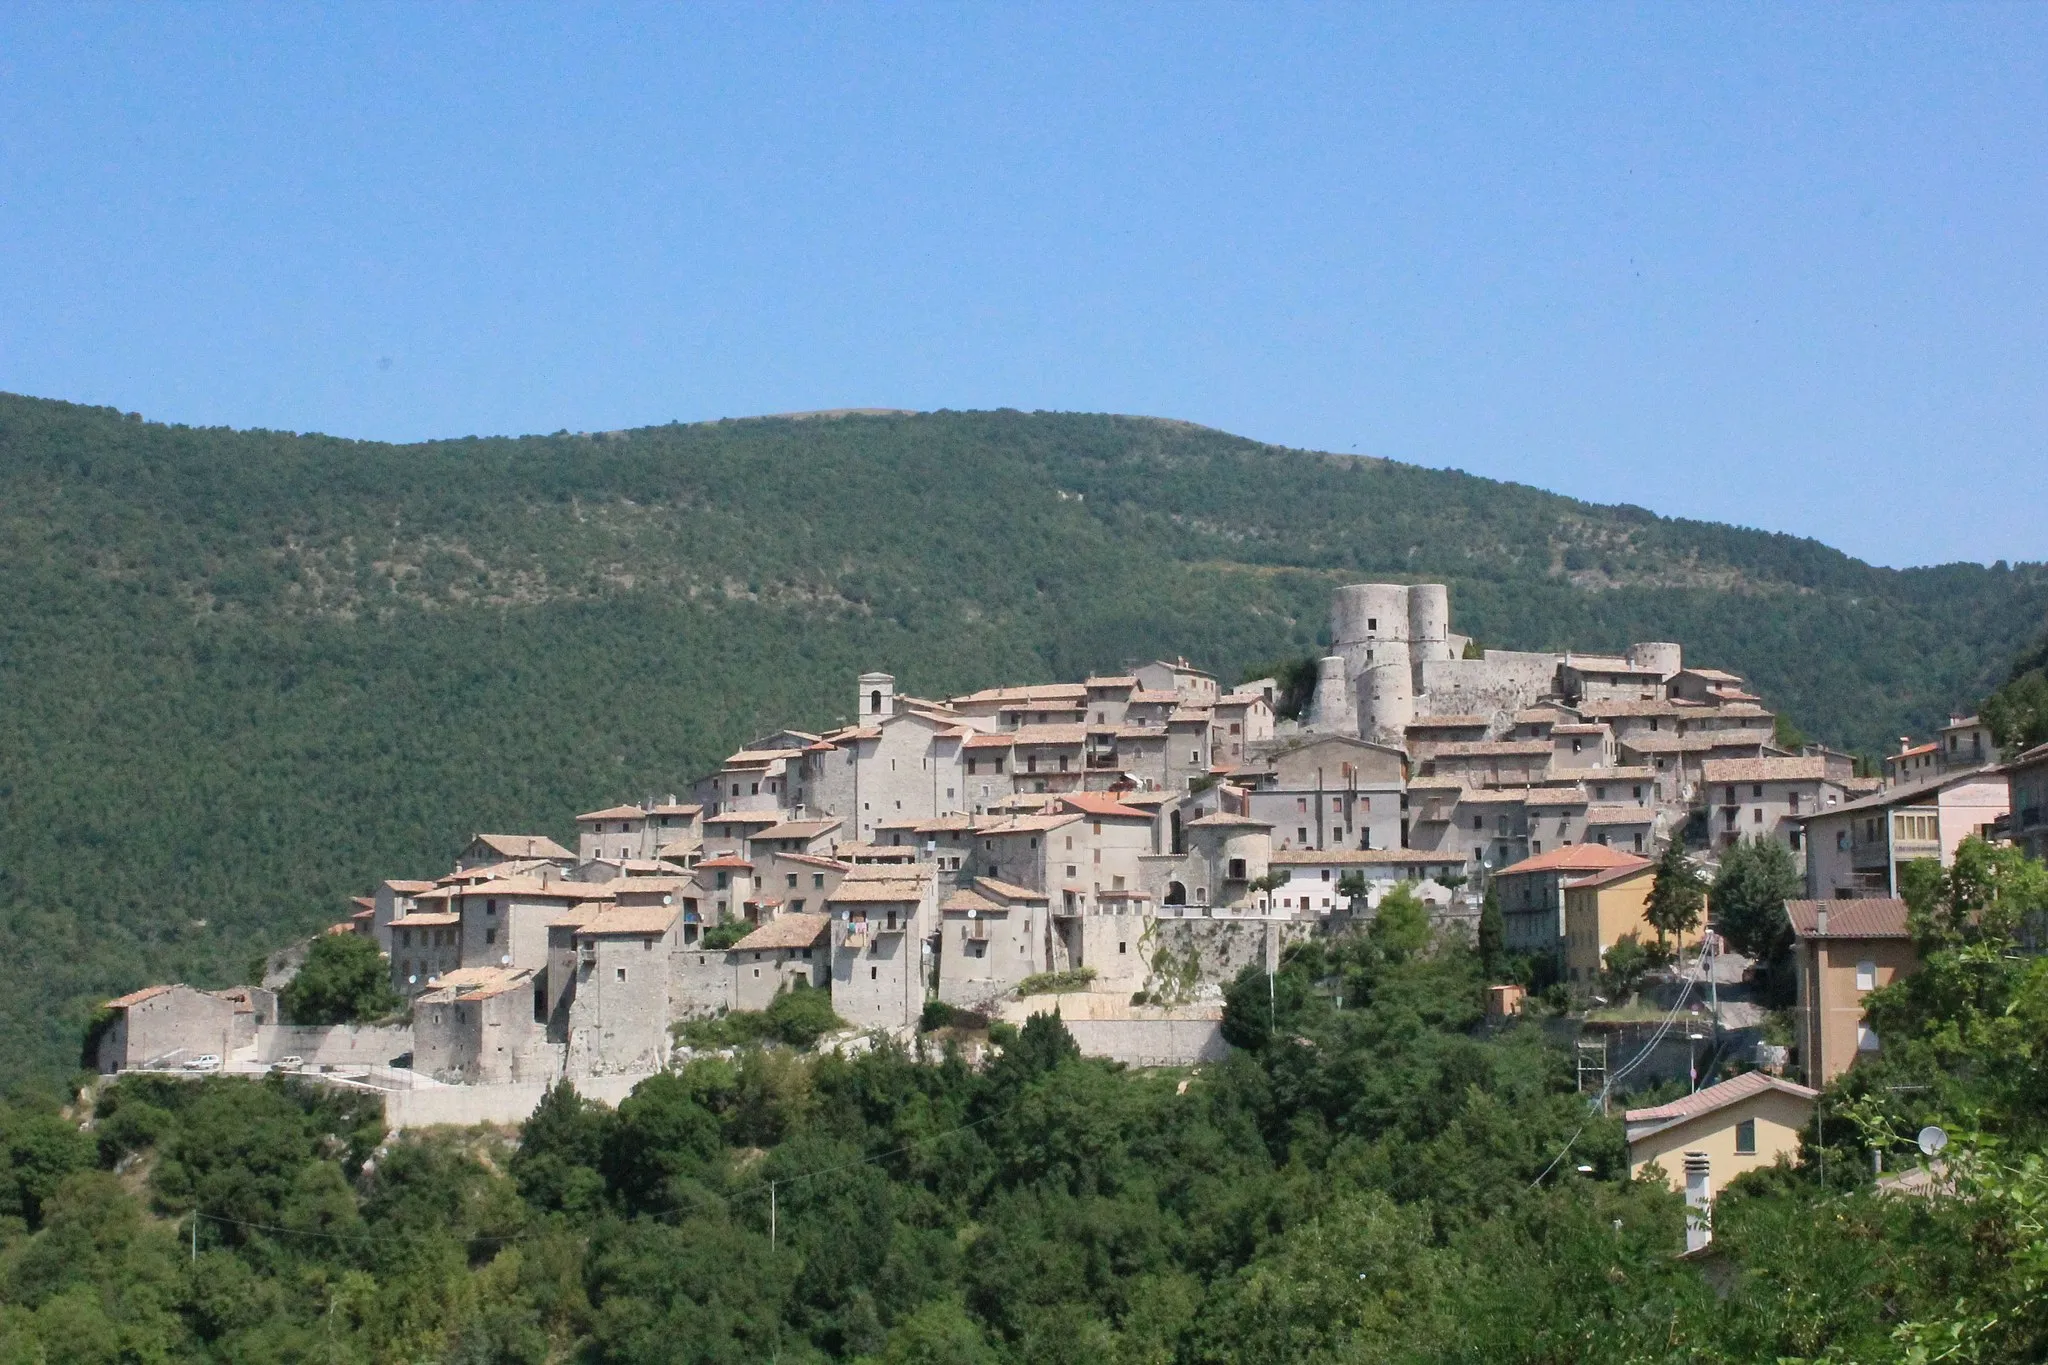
column 1372, row 1178
column 246, row 673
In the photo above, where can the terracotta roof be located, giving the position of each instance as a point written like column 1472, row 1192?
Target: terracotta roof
column 787, row 931
column 678, row 808
column 1907, row 794
column 1670, row 744
column 508, row 980
column 407, row 888
column 1495, row 796
column 755, row 758
column 533, row 888
column 895, row 892
column 1619, row 815
column 1147, row 696
column 1742, row 1087
column 963, row 900
column 1189, row 714
column 523, row 845
column 136, row 997
column 1435, row 782
column 1763, row 769
column 745, row 817
column 1914, row 752
column 1116, row 680
column 614, row 813
column 1611, row 875
column 1541, row 713
column 988, row 742
column 1141, row 732
column 631, row 919
column 1233, row 700
column 1496, row 748
column 1447, row 722
column 1032, row 692
column 1546, row 797
column 798, row 829
column 854, row 849
column 1575, row 858
column 1363, row 857
column 1591, row 728
column 492, row 872
column 727, row 860
column 1008, row 891
column 1102, row 804
column 1872, row 918
column 1224, row 819
column 945, row 824
column 1623, row 773
column 812, row 860
column 1027, row 824
column 1049, row 734
column 1714, row 674
column 1616, row 706
column 440, row 920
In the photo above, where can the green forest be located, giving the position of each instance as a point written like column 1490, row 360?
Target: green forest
column 1371, row 1176
column 244, row 674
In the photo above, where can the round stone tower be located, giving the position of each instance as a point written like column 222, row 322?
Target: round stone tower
column 1662, row 655
column 1429, row 624
column 1332, row 711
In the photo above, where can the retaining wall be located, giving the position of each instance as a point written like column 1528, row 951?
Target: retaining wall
column 333, row 1044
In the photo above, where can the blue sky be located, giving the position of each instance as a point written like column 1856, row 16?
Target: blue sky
column 1780, row 266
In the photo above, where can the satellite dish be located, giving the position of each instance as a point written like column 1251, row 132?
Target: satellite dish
column 1932, row 1140
column 505, row 961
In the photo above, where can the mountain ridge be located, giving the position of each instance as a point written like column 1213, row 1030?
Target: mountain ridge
column 247, row 673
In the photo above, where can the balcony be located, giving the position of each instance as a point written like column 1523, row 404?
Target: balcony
column 854, row 940
column 1103, row 760
column 974, row 931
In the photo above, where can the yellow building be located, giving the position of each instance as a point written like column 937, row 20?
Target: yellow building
column 1735, row 1126
column 1602, row 908
column 1844, row 950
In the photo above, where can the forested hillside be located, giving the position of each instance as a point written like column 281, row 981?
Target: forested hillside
column 1371, row 1179
column 243, row 674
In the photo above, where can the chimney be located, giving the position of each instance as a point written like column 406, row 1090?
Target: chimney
column 1905, row 743
column 1820, row 923
column 1699, row 1202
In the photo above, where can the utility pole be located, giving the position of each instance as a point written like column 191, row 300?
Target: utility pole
column 771, row 1215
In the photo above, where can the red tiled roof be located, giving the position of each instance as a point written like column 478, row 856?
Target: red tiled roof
column 1872, row 918
column 1583, row 858
column 1718, row 1096
column 727, row 860
column 1101, row 803
column 136, row 997
column 787, row 931
column 1612, row 874
column 1763, row 769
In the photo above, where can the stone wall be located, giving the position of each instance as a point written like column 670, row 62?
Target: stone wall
column 1150, row 1042
column 334, row 1044
column 466, row 1105
column 1186, row 954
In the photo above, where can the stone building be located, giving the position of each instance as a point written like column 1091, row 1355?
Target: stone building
column 790, row 952
column 882, row 915
column 484, row 1026
column 620, row 1012
column 993, row 934
column 166, row 1026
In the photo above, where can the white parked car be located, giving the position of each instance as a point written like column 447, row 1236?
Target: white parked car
column 208, row 1062
column 288, row 1063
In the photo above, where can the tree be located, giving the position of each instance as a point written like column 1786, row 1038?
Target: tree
column 1493, row 935
column 1757, row 877
column 344, row 979
column 1676, row 897
column 1400, row 926
column 2018, row 712
column 1623, row 968
column 1983, row 897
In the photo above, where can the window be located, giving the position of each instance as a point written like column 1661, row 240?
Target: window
column 490, row 936
column 1757, row 816
column 818, row 881
column 874, row 973
column 618, row 973
column 792, row 881
column 1866, row 1038
column 1479, row 822
column 1866, row 976
column 1639, row 843
column 490, row 907
column 1745, row 1138
column 1756, row 790
column 1637, row 793
column 1301, row 833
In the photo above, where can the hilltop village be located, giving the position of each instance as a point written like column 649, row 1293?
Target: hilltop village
column 1130, row 842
